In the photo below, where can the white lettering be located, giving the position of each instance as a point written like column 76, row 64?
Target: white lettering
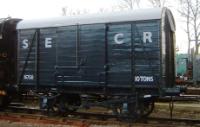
column 25, row 44
column 117, row 40
column 144, row 79
column 28, row 77
column 48, row 42
column 147, row 36
column 137, row 78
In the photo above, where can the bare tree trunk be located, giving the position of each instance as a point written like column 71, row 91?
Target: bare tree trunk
column 188, row 29
column 66, row 11
column 158, row 3
column 128, row 4
column 191, row 11
column 195, row 9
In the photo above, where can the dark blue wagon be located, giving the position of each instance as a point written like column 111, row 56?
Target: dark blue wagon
column 118, row 56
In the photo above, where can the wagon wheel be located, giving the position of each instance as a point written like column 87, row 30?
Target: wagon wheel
column 117, row 110
column 4, row 101
column 143, row 109
column 148, row 108
column 69, row 103
column 1, row 102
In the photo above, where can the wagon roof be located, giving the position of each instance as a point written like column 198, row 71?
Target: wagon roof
column 135, row 15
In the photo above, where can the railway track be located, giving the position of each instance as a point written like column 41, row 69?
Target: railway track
column 81, row 119
column 176, row 120
column 40, row 119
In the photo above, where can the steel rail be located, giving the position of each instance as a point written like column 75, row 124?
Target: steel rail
column 100, row 117
column 181, row 120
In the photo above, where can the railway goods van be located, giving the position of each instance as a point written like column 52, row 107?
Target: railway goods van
column 100, row 53
column 115, row 58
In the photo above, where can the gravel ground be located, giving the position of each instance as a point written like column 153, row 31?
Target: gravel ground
column 183, row 110
column 19, row 124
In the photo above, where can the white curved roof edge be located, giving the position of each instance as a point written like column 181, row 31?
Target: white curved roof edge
column 135, row 15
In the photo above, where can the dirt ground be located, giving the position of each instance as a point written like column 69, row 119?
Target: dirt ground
column 181, row 110
column 19, row 124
